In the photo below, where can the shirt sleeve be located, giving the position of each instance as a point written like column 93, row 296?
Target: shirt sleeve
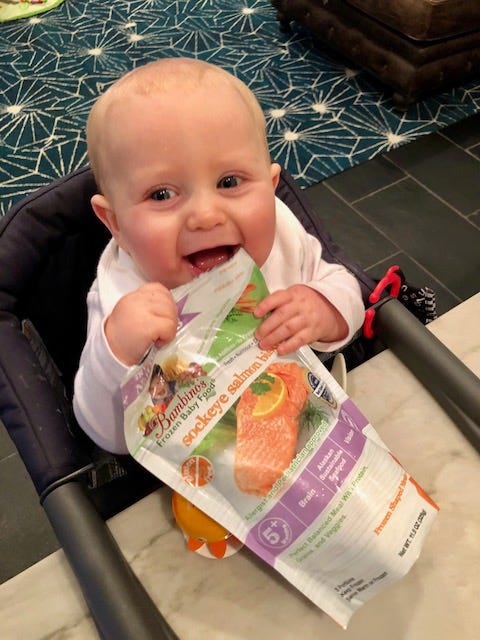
column 338, row 286
column 97, row 401
column 296, row 257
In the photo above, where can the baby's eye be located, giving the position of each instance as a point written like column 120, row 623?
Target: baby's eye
column 162, row 194
column 228, row 182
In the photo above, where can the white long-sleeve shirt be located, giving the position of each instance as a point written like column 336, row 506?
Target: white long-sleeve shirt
column 296, row 257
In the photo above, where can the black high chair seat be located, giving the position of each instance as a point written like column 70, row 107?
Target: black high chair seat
column 50, row 243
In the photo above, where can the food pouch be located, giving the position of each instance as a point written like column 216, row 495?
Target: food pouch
column 272, row 448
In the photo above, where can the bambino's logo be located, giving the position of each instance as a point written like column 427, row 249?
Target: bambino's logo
column 174, row 390
column 181, row 406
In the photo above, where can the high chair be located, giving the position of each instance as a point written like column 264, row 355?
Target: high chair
column 50, row 243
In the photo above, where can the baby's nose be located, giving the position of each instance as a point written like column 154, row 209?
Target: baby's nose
column 206, row 214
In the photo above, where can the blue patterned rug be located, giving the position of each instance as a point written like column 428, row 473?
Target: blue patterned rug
column 322, row 117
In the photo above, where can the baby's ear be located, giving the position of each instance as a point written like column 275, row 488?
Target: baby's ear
column 275, row 170
column 105, row 213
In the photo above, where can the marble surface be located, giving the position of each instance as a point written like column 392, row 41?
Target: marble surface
column 240, row 597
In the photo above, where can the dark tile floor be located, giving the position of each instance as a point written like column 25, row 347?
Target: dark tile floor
column 417, row 206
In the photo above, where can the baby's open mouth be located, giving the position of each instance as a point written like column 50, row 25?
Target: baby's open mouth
column 207, row 259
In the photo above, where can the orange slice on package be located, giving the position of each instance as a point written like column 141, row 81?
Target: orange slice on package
column 268, row 403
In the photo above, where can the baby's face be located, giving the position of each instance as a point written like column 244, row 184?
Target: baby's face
column 189, row 182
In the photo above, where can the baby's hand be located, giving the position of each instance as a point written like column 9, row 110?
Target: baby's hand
column 298, row 316
column 144, row 316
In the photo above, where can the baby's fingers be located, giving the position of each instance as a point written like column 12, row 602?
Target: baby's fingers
column 277, row 328
column 164, row 330
column 270, row 303
column 292, row 344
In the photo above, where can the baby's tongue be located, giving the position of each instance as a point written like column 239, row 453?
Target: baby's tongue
column 209, row 258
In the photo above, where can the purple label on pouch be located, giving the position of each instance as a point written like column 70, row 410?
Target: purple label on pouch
column 134, row 386
column 350, row 414
column 274, row 533
column 307, row 498
column 313, row 490
column 331, row 465
column 348, row 438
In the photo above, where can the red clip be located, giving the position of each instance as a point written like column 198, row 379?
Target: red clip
column 368, row 322
column 390, row 279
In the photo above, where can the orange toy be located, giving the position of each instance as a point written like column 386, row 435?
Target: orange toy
column 203, row 534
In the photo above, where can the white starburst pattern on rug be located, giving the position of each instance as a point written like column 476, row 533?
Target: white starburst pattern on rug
column 322, row 117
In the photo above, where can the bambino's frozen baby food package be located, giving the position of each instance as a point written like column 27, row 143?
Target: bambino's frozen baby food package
column 273, row 449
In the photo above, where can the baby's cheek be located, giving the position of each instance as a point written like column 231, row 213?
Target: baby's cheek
column 263, row 246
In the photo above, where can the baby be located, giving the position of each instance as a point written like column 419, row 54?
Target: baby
column 178, row 149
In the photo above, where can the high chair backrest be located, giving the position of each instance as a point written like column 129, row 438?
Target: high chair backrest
column 49, row 247
column 50, row 243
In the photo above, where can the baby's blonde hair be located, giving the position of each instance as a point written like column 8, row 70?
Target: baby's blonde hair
column 155, row 78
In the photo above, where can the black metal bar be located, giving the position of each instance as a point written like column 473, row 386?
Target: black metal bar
column 451, row 383
column 119, row 604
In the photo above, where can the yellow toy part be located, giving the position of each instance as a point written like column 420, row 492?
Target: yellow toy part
column 203, row 534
